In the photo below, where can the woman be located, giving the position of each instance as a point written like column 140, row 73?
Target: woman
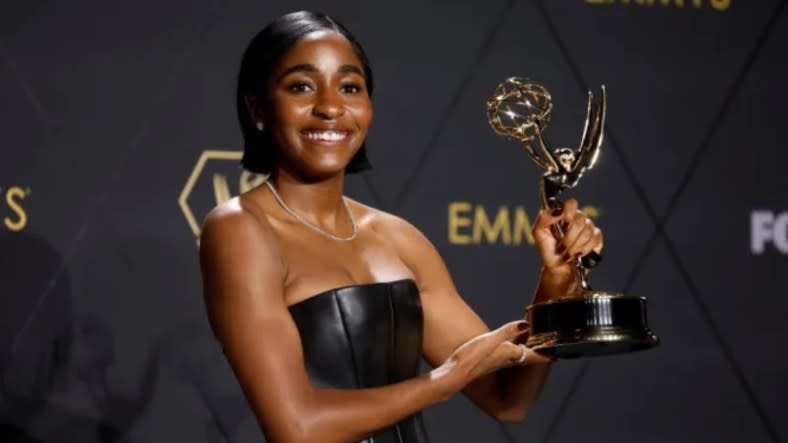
column 323, row 305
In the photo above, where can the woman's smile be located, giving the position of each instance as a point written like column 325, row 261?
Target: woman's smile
column 326, row 136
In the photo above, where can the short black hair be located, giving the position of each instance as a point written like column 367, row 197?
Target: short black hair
column 257, row 64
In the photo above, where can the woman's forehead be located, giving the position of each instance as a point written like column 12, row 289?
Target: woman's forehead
column 326, row 50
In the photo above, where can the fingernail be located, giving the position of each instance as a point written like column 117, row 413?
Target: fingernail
column 556, row 212
column 522, row 325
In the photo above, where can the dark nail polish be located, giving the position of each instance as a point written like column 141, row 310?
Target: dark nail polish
column 556, row 212
column 522, row 326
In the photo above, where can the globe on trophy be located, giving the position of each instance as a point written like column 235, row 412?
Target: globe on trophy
column 587, row 322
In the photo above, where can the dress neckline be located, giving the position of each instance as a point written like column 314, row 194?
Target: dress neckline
column 359, row 285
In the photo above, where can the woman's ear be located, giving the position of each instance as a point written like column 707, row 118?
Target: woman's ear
column 254, row 108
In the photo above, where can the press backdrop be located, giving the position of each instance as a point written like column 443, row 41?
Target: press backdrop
column 119, row 134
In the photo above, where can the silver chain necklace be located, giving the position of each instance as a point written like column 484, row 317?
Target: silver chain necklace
column 310, row 225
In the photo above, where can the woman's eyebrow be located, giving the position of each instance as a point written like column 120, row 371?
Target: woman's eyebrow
column 308, row 67
column 346, row 69
column 303, row 67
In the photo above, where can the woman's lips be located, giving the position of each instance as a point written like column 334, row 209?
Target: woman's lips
column 326, row 136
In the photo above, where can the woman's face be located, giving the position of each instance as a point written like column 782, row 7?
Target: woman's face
column 318, row 109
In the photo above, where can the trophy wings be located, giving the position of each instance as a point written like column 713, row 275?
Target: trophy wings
column 593, row 133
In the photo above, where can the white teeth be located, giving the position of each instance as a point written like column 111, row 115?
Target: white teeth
column 328, row 135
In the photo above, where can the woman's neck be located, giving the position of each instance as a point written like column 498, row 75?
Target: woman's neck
column 319, row 202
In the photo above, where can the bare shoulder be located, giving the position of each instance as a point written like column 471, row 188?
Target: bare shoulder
column 239, row 230
column 229, row 221
column 382, row 222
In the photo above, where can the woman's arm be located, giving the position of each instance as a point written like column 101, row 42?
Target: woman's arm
column 508, row 394
column 242, row 278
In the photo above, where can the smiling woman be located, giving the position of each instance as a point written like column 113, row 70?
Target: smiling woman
column 324, row 306
column 317, row 112
column 264, row 57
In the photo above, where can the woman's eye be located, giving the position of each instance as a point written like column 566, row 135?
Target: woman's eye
column 299, row 87
column 351, row 88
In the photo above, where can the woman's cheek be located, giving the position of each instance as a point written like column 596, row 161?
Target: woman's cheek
column 363, row 114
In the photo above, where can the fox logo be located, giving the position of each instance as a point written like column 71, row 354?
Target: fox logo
column 767, row 227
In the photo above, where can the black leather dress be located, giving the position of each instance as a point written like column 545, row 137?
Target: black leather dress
column 365, row 336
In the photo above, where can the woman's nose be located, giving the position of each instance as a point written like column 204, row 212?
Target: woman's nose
column 328, row 105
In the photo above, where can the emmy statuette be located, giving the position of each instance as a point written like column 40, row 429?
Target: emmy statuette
column 587, row 322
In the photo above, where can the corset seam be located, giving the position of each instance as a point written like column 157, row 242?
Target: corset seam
column 341, row 310
column 392, row 348
column 392, row 338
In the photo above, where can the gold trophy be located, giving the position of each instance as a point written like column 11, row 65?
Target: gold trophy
column 587, row 322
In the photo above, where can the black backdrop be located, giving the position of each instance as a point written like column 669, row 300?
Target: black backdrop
column 119, row 134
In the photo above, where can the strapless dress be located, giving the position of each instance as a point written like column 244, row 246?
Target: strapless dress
column 364, row 336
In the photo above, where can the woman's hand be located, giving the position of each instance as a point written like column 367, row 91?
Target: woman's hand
column 580, row 237
column 482, row 355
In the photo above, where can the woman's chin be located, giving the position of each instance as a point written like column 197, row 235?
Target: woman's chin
column 316, row 162
column 330, row 161
column 324, row 168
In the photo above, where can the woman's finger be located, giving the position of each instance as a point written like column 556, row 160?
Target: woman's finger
column 569, row 212
column 584, row 235
column 507, row 354
column 593, row 243
column 513, row 352
column 573, row 231
column 511, row 331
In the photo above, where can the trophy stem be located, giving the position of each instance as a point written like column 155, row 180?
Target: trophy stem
column 550, row 200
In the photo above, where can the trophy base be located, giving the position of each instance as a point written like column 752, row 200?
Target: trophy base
column 589, row 324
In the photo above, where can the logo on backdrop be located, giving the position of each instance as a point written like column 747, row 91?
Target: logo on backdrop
column 216, row 177
column 716, row 5
column 768, row 229
column 474, row 224
column 12, row 200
